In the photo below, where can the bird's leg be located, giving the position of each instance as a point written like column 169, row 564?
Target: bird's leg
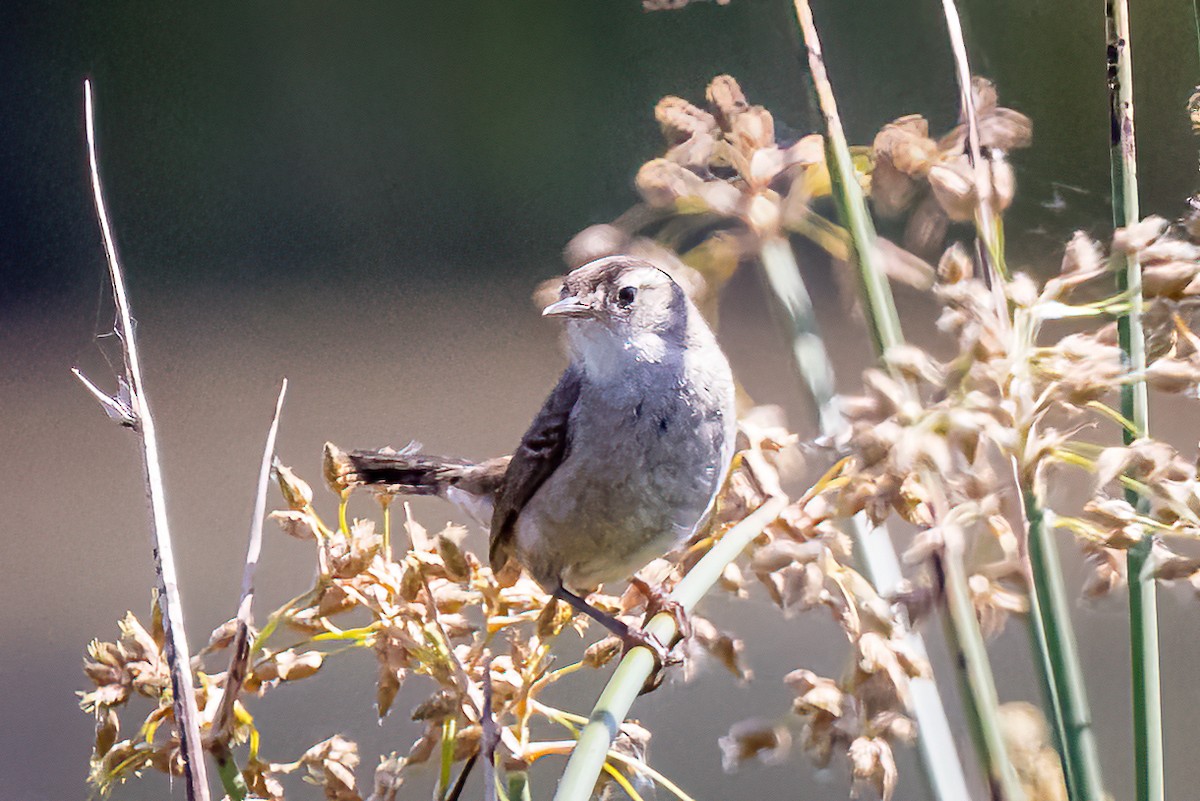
column 630, row 636
column 659, row 601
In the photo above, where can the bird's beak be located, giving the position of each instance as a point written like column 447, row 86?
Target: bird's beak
column 568, row 307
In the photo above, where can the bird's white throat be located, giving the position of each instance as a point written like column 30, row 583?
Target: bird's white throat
column 606, row 356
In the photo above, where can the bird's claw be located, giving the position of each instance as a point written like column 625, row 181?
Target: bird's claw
column 637, row 637
column 658, row 601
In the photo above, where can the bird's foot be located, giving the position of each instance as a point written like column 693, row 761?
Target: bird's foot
column 634, row 637
column 630, row 636
column 659, row 601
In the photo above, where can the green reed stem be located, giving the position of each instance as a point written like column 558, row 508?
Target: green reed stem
column 591, row 751
column 1051, row 619
column 231, row 777
column 808, row 349
column 884, row 322
column 518, row 785
column 1143, row 605
column 979, row 687
column 967, row 640
column 449, row 729
column 876, row 555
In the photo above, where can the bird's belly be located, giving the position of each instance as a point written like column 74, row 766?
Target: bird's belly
column 599, row 521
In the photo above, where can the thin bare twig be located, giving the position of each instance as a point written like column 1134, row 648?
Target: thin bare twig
column 239, row 658
column 135, row 413
column 985, row 221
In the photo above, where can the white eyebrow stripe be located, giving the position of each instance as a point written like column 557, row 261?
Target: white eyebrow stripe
column 644, row 276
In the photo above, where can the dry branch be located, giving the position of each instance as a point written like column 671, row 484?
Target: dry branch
column 132, row 408
column 239, row 657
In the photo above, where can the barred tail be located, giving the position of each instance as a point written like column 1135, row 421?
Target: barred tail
column 406, row 472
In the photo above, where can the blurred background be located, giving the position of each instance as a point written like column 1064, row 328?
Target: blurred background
column 362, row 198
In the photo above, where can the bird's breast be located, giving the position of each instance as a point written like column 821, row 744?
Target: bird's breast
column 641, row 470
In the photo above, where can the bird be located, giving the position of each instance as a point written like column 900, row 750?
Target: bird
column 624, row 460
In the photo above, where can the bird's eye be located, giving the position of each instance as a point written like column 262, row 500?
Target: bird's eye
column 626, row 295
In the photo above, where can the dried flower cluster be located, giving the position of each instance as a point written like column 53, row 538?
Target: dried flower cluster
column 803, row 561
column 933, row 181
column 932, row 440
column 437, row 611
column 728, row 163
column 951, row 447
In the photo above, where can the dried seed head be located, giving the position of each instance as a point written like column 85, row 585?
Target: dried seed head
column 722, row 646
column 336, row 468
column 726, row 99
column 601, row 653
column 289, row 666
column 331, row 764
column 1108, row 570
column 815, row 694
column 1034, row 757
column 1138, row 236
column 388, row 778
column 926, row 229
column 452, row 556
column 955, row 265
column 770, row 743
column 983, row 94
column 108, row 728
column 907, row 144
column 873, row 765
column 680, row 120
column 954, row 187
column 903, row 152
column 296, row 491
column 1004, row 182
column 891, row 190
column 301, row 525
column 1174, row 375
column 1005, row 129
column 993, row 603
column 752, row 129
column 664, row 183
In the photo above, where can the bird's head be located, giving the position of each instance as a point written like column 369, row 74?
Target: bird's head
column 620, row 308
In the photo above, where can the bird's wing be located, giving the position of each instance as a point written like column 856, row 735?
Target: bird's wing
column 542, row 450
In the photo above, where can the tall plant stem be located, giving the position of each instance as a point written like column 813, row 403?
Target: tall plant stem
column 132, row 408
column 978, row 684
column 1143, row 605
column 883, row 320
column 221, row 729
column 809, row 355
column 886, row 333
column 876, row 555
column 588, row 758
column 1056, row 638
column 1050, row 618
